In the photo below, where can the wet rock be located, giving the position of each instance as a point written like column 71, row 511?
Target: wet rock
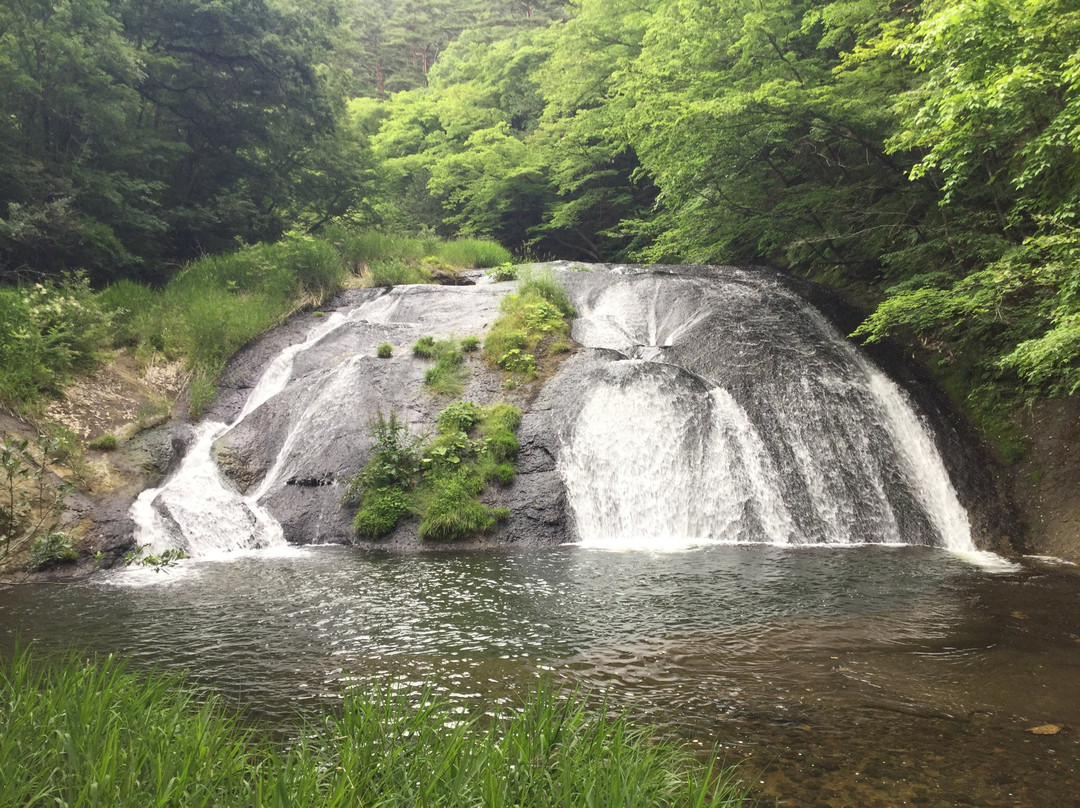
column 234, row 465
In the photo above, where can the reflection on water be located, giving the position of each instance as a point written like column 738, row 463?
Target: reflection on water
column 865, row 676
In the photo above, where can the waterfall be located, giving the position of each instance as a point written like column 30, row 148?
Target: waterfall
column 304, row 425
column 196, row 509
column 711, row 405
column 736, row 413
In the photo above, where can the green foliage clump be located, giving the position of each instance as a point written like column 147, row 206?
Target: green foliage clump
column 382, row 510
column 48, row 332
column 384, row 350
column 149, row 740
column 49, row 551
column 451, row 510
column 383, row 487
column 104, row 443
column 537, row 315
column 460, row 416
column 395, row 458
column 503, row 272
column 545, row 285
column 470, row 344
column 424, row 347
column 440, row 479
column 158, row 562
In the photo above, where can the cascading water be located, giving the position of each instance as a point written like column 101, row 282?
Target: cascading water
column 736, row 413
column 199, row 512
column 309, row 413
column 715, row 406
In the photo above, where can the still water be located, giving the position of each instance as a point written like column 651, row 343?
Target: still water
column 864, row 676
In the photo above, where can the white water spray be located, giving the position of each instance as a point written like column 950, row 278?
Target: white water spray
column 200, row 512
column 751, row 421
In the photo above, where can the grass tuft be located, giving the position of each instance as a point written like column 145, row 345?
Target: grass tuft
column 105, row 443
column 534, row 321
column 473, row 253
column 447, row 377
column 114, row 738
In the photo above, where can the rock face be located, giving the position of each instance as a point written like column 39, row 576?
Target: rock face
column 289, row 446
column 295, row 452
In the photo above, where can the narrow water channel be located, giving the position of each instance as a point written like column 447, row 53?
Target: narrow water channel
column 872, row 676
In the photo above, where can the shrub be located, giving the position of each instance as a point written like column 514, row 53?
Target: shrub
column 395, row 459
column 105, row 443
column 384, row 350
column 381, row 512
column 47, row 333
column 49, row 551
column 29, row 504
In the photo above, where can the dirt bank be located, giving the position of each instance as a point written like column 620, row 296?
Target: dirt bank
column 124, row 398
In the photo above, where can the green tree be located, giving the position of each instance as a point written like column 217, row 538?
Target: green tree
column 69, row 193
column 994, row 122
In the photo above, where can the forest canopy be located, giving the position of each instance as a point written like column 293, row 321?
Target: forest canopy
column 922, row 156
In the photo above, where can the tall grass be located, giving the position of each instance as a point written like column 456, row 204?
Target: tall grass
column 397, row 273
column 473, row 253
column 364, row 246
column 208, row 311
column 547, row 286
column 80, row 734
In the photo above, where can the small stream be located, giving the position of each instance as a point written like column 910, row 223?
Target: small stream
column 873, row 676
